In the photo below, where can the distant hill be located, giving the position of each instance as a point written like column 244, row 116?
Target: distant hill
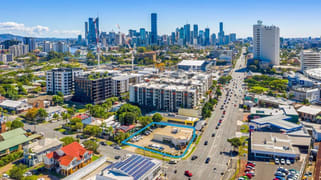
column 4, row 37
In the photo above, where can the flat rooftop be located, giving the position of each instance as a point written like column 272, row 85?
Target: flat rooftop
column 278, row 121
column 314, row 110
column 277, row 142
column 191, row 63
column 181, row 133
column 266, row 111
column 288, row 110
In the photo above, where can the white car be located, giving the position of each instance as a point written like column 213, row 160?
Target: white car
column 277, row 161
column 282, row 161
column 288, row 162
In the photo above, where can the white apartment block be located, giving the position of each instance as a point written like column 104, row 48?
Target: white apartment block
column 120, row 85
column 266, row 42
column 18, row 50
column 164, row 97
column 310, row 60
column 47, row 46
column 62, row 80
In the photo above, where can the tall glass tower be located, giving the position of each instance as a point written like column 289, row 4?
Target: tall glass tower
column 154, row 28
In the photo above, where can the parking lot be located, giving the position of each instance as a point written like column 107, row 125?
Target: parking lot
column 147, row 141
column 266, row 170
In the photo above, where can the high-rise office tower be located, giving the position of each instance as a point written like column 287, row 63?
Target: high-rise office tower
column 207, row 37
column 232, row 37
column 195, row 31
column 31, row 42
column 142, row 35
column 93, row 26
column 173, row 38
column 266, row 42
column 86, row 32
column 213, row 39
column 154, row 28
column 187, row 33
column 221, row 34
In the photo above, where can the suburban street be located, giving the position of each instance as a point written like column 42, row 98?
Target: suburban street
column 217, row 144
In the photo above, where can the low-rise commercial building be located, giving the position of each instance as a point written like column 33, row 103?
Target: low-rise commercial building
column 14, row 140
column 17, row 106
column 193, row 65
column 309, row 113
column 302, row 93
column 268, row 145
column 179, row 137
column 135, row 167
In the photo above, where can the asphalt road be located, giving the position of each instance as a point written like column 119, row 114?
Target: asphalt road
column 217, row 144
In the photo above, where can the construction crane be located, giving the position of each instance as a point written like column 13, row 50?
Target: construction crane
column 132, row 51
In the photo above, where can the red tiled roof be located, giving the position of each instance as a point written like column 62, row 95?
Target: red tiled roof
column 75, row 150
column 126, row 128
column 82, row 116
column 65, row 160
column 52, row 155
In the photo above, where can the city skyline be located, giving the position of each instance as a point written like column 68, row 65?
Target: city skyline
column 33, row 18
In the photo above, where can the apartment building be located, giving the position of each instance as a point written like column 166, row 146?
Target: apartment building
column 62, row 80
column 94, row 91
column 266, row 43
column 120, row 85
column 310, row 60
column 18, row 50
column 164, row 97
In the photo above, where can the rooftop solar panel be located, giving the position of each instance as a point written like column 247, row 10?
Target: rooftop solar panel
column 140, row 165
column 132, row 163
column 139, row 173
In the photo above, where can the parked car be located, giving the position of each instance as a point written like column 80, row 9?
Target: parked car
column 288, row 162
column 282, row 161
column 194, row 157
column 276, row 161
column 117, row 147
column 117, row 157
column 213, row 134
column 205, row 143
column 103, row 143
column 188, row 173
column 207, row 160
column 279, row 173
column 173, row 161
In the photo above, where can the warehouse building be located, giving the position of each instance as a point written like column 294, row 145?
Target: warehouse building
column 193, row 65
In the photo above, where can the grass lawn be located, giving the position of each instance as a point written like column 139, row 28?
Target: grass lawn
column 109, row 143
column 151, row 154
column 95, row 157
column 258, row 89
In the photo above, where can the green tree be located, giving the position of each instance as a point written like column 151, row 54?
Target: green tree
column 22, row 90
column 42, row 114
column 91, row 145
column 92, row 130
column 16, row 124
column 68, row 140
column 235, row 142
column 157, row 117
column 58, row 100
column 145, row 120
column 17, row 171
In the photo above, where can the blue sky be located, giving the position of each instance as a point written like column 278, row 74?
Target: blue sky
column 65, row 18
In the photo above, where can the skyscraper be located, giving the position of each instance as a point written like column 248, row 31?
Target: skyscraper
column 187, row 33
column 142, row 34
column 232, row 37
column 213, row 39
column 173, row 38
column 207, row 37
column 93, row 26
column 31, row 42
column 86, row 32
column 195, row 31
column 154, row 28
column 221, row 34
column 266, row 42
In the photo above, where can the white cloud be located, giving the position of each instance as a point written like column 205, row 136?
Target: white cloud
column 37, row 31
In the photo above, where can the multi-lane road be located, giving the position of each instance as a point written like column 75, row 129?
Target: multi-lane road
column 217, row 149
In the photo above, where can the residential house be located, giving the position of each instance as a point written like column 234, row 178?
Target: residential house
column 34, row 153
column 68, row 159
